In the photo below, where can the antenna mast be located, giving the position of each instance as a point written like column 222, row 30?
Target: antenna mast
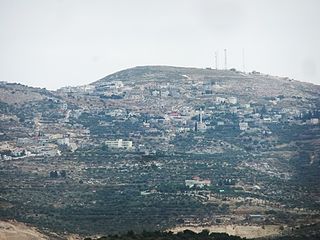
column 216, row 59
column 243, row 62
column 225, row 59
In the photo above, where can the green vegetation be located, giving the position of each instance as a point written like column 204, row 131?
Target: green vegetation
column 185, row 235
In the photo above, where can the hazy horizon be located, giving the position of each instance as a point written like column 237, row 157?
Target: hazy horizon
column 58, row 43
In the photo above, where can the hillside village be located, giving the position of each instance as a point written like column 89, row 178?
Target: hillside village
column 163, row 137
column 163, row 110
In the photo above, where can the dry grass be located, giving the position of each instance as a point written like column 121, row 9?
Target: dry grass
column 12, row 230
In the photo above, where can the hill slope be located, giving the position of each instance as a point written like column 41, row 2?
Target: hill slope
column 159, row 147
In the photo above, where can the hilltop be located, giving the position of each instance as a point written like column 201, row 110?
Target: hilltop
column 247, row 86
column 15, row 93
column 223, row 81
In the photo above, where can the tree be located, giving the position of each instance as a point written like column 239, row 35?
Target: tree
column 63, row 173
column 53, row 174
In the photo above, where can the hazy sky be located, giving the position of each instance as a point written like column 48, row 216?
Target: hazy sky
column 54, row 43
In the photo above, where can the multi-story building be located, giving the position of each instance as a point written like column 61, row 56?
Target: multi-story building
column 119, row 143
column 197, row 182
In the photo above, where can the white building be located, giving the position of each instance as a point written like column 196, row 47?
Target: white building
column 88, row 88
column 243, row 126
column 314, row 121
column 220, row 123
column 220, row 99
column 114, row 85
column 119, row 143
column 63, row 141
column 232, row 100
column 197, row 182
column 246, row 105
column 267, row 119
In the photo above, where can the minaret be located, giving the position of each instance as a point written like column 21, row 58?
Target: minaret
column 201, row 125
